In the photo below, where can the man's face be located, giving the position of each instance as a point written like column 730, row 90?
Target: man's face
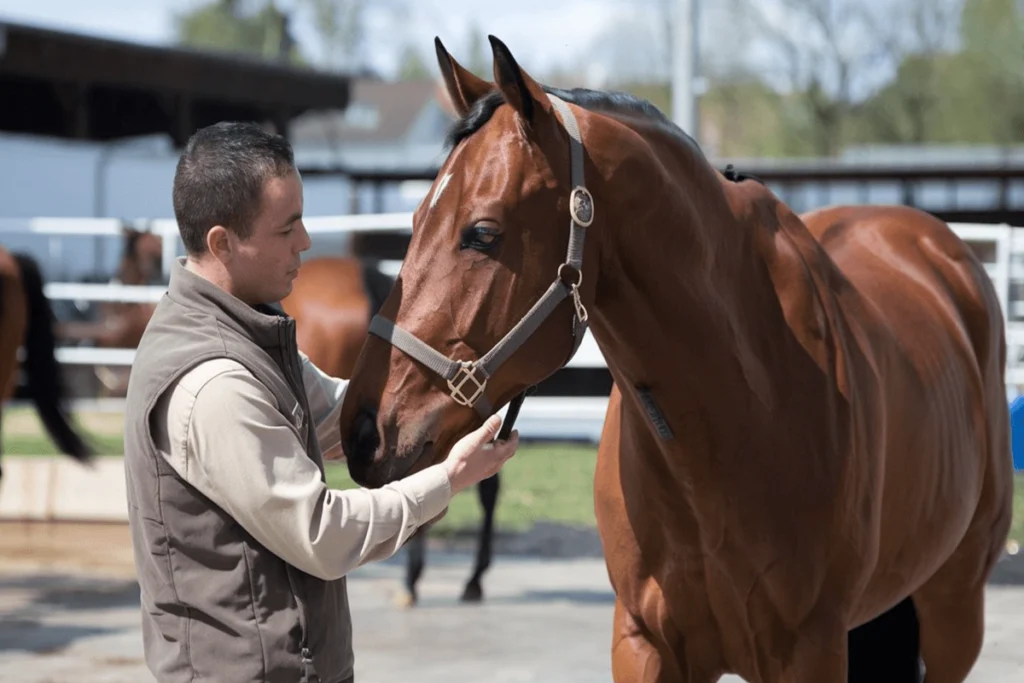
column 266, row 264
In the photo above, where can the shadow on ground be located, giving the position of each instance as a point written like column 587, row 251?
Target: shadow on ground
column 36, row 620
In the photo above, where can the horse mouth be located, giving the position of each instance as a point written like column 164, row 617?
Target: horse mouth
column 425, row 455
column 393, row 468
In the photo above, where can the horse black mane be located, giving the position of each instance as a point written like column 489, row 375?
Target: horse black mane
column 610, row 101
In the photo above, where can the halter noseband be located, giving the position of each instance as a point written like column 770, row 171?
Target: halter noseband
column 467, row 380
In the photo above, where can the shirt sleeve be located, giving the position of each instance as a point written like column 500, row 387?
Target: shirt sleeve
column 225, row 436
column 325, row 394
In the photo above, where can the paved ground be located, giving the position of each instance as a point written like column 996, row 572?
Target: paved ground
column 69, row 613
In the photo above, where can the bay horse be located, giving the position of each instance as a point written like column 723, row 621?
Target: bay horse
column 27, row 321
column 806, row 449
column 332, row 301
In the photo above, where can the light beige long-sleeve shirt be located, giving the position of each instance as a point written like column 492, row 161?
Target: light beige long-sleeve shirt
column 220, row 430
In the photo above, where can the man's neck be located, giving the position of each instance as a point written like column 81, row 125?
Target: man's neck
column 211, row 270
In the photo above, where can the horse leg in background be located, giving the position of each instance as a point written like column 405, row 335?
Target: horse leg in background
column 415, row 548
column 488, row 492
column 887, row 648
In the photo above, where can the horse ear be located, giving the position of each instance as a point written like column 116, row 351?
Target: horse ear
column 464, row 87
column 519, row 89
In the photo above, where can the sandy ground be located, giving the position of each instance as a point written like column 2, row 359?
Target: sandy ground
column 69, row 613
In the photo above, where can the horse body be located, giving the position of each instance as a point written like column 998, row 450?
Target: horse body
column 808, row 437
column 833, row 451
column 13, row 312
column 332, row 310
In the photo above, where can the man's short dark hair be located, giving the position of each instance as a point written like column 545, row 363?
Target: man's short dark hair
column 220, row 176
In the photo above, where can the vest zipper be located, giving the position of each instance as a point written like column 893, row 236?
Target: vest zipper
column 308, row 669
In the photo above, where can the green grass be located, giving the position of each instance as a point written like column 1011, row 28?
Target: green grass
column 40, row 444
column 550, row 482
column 23, row 434
column 543, row 482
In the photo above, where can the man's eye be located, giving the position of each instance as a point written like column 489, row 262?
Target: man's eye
column 480, row 238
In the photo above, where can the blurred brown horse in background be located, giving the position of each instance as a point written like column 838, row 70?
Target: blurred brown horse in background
column 805, row 473
column 27, row 321
column 120, row 324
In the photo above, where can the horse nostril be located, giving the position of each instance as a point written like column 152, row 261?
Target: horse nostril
column 364, row 439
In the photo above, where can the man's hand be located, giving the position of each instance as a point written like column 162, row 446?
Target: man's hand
column 474, row 458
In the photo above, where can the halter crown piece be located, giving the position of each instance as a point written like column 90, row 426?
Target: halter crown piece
column 467, row 380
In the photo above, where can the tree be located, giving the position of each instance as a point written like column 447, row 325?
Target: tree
column 233, row 26
column 341, row 25
column 343, row 30
column 411, row 66
column 992, row 32
column 478, row 56
column 826, row 52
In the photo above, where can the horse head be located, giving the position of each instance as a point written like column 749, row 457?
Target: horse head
column 491, row 297
column 141, row 262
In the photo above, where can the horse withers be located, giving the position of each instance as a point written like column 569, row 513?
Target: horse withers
column 807, row 440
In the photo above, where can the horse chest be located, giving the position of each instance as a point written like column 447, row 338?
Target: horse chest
column 677, row 557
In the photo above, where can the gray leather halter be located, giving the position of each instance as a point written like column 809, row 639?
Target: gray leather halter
column 467, row 380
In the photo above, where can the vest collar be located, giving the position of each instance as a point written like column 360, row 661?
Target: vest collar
column 262, row 323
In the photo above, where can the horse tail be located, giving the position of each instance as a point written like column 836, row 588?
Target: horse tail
column 42, row 372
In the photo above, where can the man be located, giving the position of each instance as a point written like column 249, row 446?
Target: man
column 240, row 547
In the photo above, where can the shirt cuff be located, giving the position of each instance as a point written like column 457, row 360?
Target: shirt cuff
column 431, row 490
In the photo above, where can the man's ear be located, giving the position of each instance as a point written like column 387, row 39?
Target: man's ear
column 219, row 243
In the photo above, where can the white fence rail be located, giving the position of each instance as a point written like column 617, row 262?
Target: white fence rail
column 1005, row 266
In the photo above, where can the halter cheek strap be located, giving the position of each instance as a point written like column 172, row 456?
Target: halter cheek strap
column 467, row 380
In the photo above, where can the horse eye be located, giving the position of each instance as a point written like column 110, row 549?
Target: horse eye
column 479, row 237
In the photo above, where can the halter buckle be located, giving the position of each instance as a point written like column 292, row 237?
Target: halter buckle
column 467, row 373
column 581, row 206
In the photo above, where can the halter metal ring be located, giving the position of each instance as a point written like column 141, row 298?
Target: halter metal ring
column 467, row 374
column 579, row 275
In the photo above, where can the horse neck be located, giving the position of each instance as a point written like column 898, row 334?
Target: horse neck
column 707, row 297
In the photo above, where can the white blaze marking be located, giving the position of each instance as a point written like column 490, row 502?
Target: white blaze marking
column 440, row 188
